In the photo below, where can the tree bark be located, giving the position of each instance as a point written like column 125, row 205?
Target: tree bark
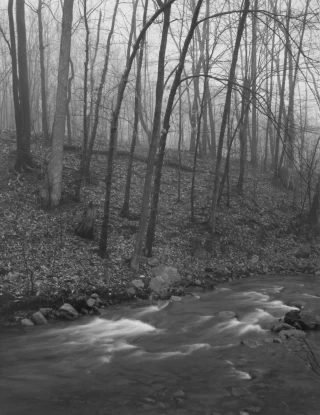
column 226, row 112
column 23, row 160
column 69, row 130
column 15, row 79
column 153, row 145
column 44, row 115
column 254, row 87
column 243, row 133
column 137, row 98
column 164, row 133
column 114, row 128
column 56, row 157
column 86, row 168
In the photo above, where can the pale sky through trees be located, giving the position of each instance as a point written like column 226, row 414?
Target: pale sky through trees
column 222, row 31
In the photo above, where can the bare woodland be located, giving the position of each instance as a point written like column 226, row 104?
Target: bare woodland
column 231, row 83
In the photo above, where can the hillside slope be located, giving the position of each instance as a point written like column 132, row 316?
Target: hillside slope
column 43, row 262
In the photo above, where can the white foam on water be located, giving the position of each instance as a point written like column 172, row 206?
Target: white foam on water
column 279, row 305
column 166, row 355
column 106, row 331
column 156, row 356
column 253, row 296
column 222, row 289
column 105, row 359
column 240, row 374
column 147, row 310
column 311, row 296
column 256, row 316
column 119, row 346
column 190, row 348
column 273, row 290
column 164, row 305
column 251, row 327
column 203, row 319
column 226, row 346
column 226, row 325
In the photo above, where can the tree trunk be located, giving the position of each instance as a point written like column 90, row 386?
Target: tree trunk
column 45, row 128
column 244, row 120
column 164, row 133
column 254, row 87
column 226, row 112
column 114, row 127
column 15, row 79
column 86, row 168
column 56, row 157
column 137, row 97
column 202, row 109
column 69, row 130
column 153, row 145
column 23, row 160
column 92, row 80
column 85, row 229
column 213, row 146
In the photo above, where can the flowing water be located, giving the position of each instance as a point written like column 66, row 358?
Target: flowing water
column 174, row 358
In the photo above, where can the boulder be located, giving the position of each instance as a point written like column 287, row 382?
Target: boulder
column 138, row 283
column 94, row 295
column 293, row 333
column 164, row 278
column 254, row 259
column 91, row 302
column 45, row 311
column 38, row 318
column 131, row 291
column 26, row 322
column 306, row 320
column 292, row 317
column 68, row 311
column 78, row 302
column 310, row 319
column 153, row 262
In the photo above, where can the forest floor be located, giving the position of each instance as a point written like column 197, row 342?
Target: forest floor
column 43, row 262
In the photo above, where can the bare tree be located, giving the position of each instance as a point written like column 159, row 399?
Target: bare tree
column 114, row 129
column 226, row 112
column 44, row 115
column 24, row 159
column 137, row 99
column 164, row 133
column 55, row 165
column 154, row 141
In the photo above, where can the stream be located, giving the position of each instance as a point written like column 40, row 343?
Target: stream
column 173, row 358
